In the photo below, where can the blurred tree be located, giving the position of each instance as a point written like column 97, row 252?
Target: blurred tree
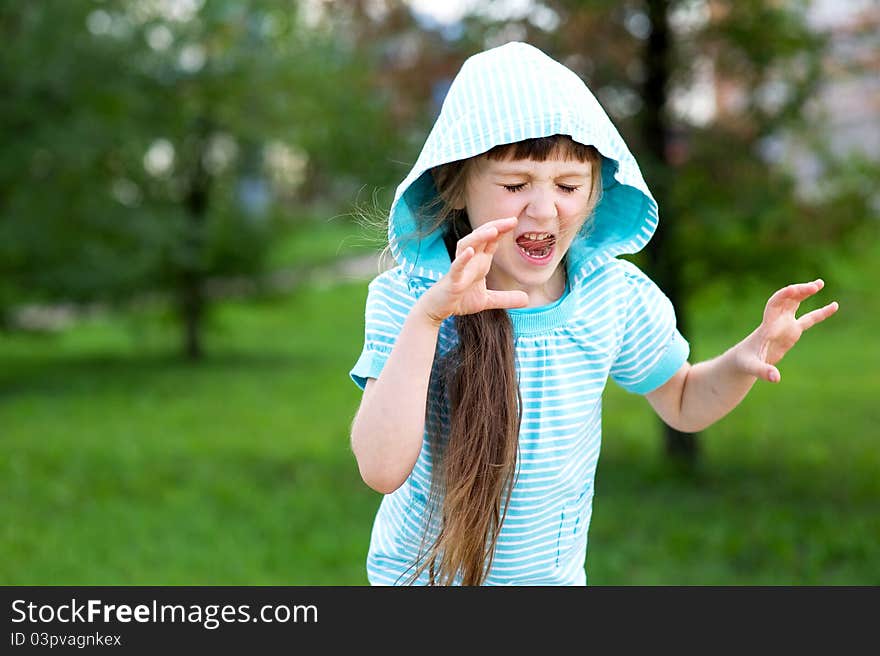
column 149, row 145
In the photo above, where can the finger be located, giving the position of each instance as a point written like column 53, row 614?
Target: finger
column 503, row 225
column 491, row 247
column 800, row 291
column 812, row 318
column 760, row 369
column 456, row 270
column 477, row 239
column 487, row 232
column 499, row 300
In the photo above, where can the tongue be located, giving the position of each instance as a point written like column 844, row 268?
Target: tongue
column 535, row 244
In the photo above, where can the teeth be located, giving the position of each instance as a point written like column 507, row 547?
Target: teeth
column 537, row 236
column 539, row 253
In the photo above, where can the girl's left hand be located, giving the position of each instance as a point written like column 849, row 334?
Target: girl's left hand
column 780, row 330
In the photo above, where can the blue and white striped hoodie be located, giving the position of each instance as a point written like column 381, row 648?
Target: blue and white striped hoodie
column 612, row 320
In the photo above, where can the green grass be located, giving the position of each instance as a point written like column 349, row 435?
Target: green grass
column 120, row 464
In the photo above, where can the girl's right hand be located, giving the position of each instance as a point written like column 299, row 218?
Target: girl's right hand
column 463, row 289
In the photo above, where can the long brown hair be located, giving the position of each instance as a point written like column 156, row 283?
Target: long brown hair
column 474, row 459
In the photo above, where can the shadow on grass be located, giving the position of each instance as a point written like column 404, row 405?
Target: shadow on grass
column 77, row 374
column 735, row 522
column 749, row 479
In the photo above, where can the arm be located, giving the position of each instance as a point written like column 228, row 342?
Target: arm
column 701, row 394
column 386, row 435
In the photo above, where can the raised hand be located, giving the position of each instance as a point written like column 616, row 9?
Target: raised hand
column 463, row 289
column 780, row 330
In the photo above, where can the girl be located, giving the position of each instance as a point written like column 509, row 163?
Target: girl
column 487, row 348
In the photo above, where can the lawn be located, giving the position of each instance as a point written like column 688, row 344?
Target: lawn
column 121, row 465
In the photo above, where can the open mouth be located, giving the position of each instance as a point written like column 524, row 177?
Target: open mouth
column 536, row 245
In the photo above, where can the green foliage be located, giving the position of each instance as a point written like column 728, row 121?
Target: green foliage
column 135, row 130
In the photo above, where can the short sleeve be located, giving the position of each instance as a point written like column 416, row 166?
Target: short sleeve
column 651, row 347
column 390, row 298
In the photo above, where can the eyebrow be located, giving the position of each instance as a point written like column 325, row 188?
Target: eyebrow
column 571, row 173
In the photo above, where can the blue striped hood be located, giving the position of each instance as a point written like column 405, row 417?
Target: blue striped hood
column 480, row 112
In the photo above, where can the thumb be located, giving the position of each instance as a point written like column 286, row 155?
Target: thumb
column 501, row 300
column 760, row 369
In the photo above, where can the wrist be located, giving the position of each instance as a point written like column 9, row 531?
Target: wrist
column 427, row 314
column 746, row 352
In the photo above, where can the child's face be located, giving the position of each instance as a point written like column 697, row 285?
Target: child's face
column 551, row 199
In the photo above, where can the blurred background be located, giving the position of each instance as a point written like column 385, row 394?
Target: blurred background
column 184, row 260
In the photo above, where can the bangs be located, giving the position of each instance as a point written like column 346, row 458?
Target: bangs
column 541, row 149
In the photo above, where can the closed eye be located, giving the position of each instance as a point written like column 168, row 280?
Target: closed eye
column 521, row 186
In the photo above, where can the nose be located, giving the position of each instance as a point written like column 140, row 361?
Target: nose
column 542, row 205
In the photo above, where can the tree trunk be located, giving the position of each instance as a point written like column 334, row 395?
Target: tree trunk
column 191, row 308
column 191, row 293
column 661, row 252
